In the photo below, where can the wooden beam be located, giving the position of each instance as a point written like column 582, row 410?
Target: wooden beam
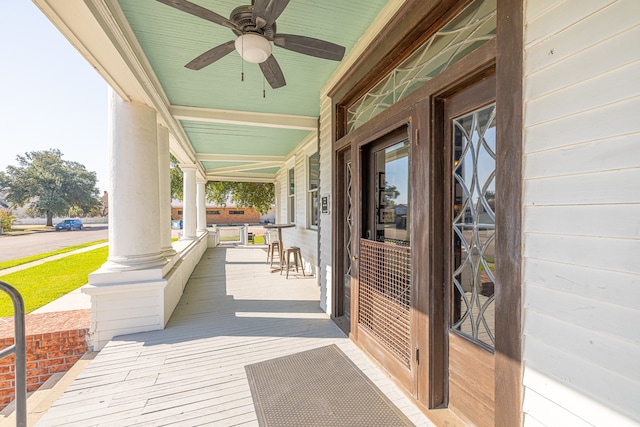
column 207, row 157
column 245, row 118
column 241, row 167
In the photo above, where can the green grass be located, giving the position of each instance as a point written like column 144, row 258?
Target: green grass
column 15, row 262
column 47, row 282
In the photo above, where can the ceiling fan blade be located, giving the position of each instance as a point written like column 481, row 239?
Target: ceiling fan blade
column 200, row 12
column 212, row 55
column 272, row 72
column 310, row 46
column 265, row 12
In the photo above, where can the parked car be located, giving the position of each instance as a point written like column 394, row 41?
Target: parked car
column 69, row 224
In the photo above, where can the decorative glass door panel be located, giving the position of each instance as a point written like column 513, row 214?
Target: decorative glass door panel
column 470, row 223
column 473, row 233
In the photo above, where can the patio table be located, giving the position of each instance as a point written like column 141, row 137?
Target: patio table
column 279, row 227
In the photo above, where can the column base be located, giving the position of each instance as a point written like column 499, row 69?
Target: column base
column 125, row 302
column 136, row 262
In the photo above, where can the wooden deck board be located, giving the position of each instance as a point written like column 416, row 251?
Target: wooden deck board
column 234, row 312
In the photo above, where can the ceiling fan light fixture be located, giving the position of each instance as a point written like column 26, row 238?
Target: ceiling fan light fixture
column 253, row 48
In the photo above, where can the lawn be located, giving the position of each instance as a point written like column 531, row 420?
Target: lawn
column 12, row 263
column 47, row 282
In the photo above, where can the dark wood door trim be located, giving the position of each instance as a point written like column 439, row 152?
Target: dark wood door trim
column 508, row 377
column 504, row 57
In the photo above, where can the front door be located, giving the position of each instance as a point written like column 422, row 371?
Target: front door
column 469, row 226
column 384, row 291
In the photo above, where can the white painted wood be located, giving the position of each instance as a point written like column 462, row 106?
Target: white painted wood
column 189, row 206
column 596, row 124
column 234, row 312
column 581, row 207
column 604, row 253
column 608, row 54
column 246, row 118
column 538, row 7
column 325, row 220
column 607, row 154
column 201, row 208
column 554, row 415
column 613, row 221
column 621, row 187
column 601, row 349
column 559, row 17
column 164, row 183
column 607, row 286
column 611, row 87
column 588, row 391
column 239, row 158
column 579, row 34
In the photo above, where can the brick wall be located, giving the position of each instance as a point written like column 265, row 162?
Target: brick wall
column 54, row 343
column 224, row 215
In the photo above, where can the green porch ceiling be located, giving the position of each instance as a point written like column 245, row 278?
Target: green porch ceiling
column 237, row 139
column 170, row 38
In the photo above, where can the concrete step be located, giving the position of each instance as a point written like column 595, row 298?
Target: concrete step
column 39, row 401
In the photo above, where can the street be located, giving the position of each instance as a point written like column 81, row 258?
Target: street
column 14, row 247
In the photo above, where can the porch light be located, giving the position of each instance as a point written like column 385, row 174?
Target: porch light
column 253, row 48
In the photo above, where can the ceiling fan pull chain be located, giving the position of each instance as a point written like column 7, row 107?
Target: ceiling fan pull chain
column 264, row 91
column 242, row 61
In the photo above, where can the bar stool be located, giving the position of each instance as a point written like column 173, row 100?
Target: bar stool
column 273, row 249
column 296, row 256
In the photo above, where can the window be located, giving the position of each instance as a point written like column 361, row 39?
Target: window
column 179, row 212
column 291, row 205
column 236, row 212
column 210, row 212
column 312, row 195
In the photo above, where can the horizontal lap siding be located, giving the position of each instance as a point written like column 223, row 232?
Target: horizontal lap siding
column 326, row 180
column 581, row 212
column 302, row 235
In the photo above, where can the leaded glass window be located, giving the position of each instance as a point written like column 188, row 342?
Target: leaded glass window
column 473, row 233
column 470, row 29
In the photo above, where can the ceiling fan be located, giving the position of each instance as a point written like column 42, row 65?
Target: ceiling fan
column 255, row 28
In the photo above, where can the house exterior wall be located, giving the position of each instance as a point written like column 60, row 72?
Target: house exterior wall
column 580, row 215
column 303, row 235
column 325, row 227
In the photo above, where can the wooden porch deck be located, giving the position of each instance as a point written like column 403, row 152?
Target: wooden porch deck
column 234, row 312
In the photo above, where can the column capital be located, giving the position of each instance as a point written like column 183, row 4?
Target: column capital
column 188, row 167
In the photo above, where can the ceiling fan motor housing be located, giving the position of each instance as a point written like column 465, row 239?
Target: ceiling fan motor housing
column 242, row 16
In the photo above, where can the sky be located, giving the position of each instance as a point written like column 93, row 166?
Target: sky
column 50, row 97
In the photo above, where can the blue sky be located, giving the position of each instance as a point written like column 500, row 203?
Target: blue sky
column 50, row 97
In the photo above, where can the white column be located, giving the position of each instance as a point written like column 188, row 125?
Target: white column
column 128, row 291
column 134, row 205
column 189, row 202
column 164, row 180
column 202, row 205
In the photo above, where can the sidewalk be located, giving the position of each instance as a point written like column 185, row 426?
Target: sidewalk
column 74, row 300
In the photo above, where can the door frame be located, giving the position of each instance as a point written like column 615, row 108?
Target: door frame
column 415, row 21
column 339, row 228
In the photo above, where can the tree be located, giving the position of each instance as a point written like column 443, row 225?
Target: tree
column 257, row 195
column 45, row 182
column 176, row 178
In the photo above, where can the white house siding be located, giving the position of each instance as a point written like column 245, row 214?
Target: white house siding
column 581, row 222
column 326, row 180
column 302, row 235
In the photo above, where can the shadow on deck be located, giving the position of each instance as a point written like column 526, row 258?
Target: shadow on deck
column 234, row 312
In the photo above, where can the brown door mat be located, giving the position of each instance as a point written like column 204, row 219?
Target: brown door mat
column 319, row 387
